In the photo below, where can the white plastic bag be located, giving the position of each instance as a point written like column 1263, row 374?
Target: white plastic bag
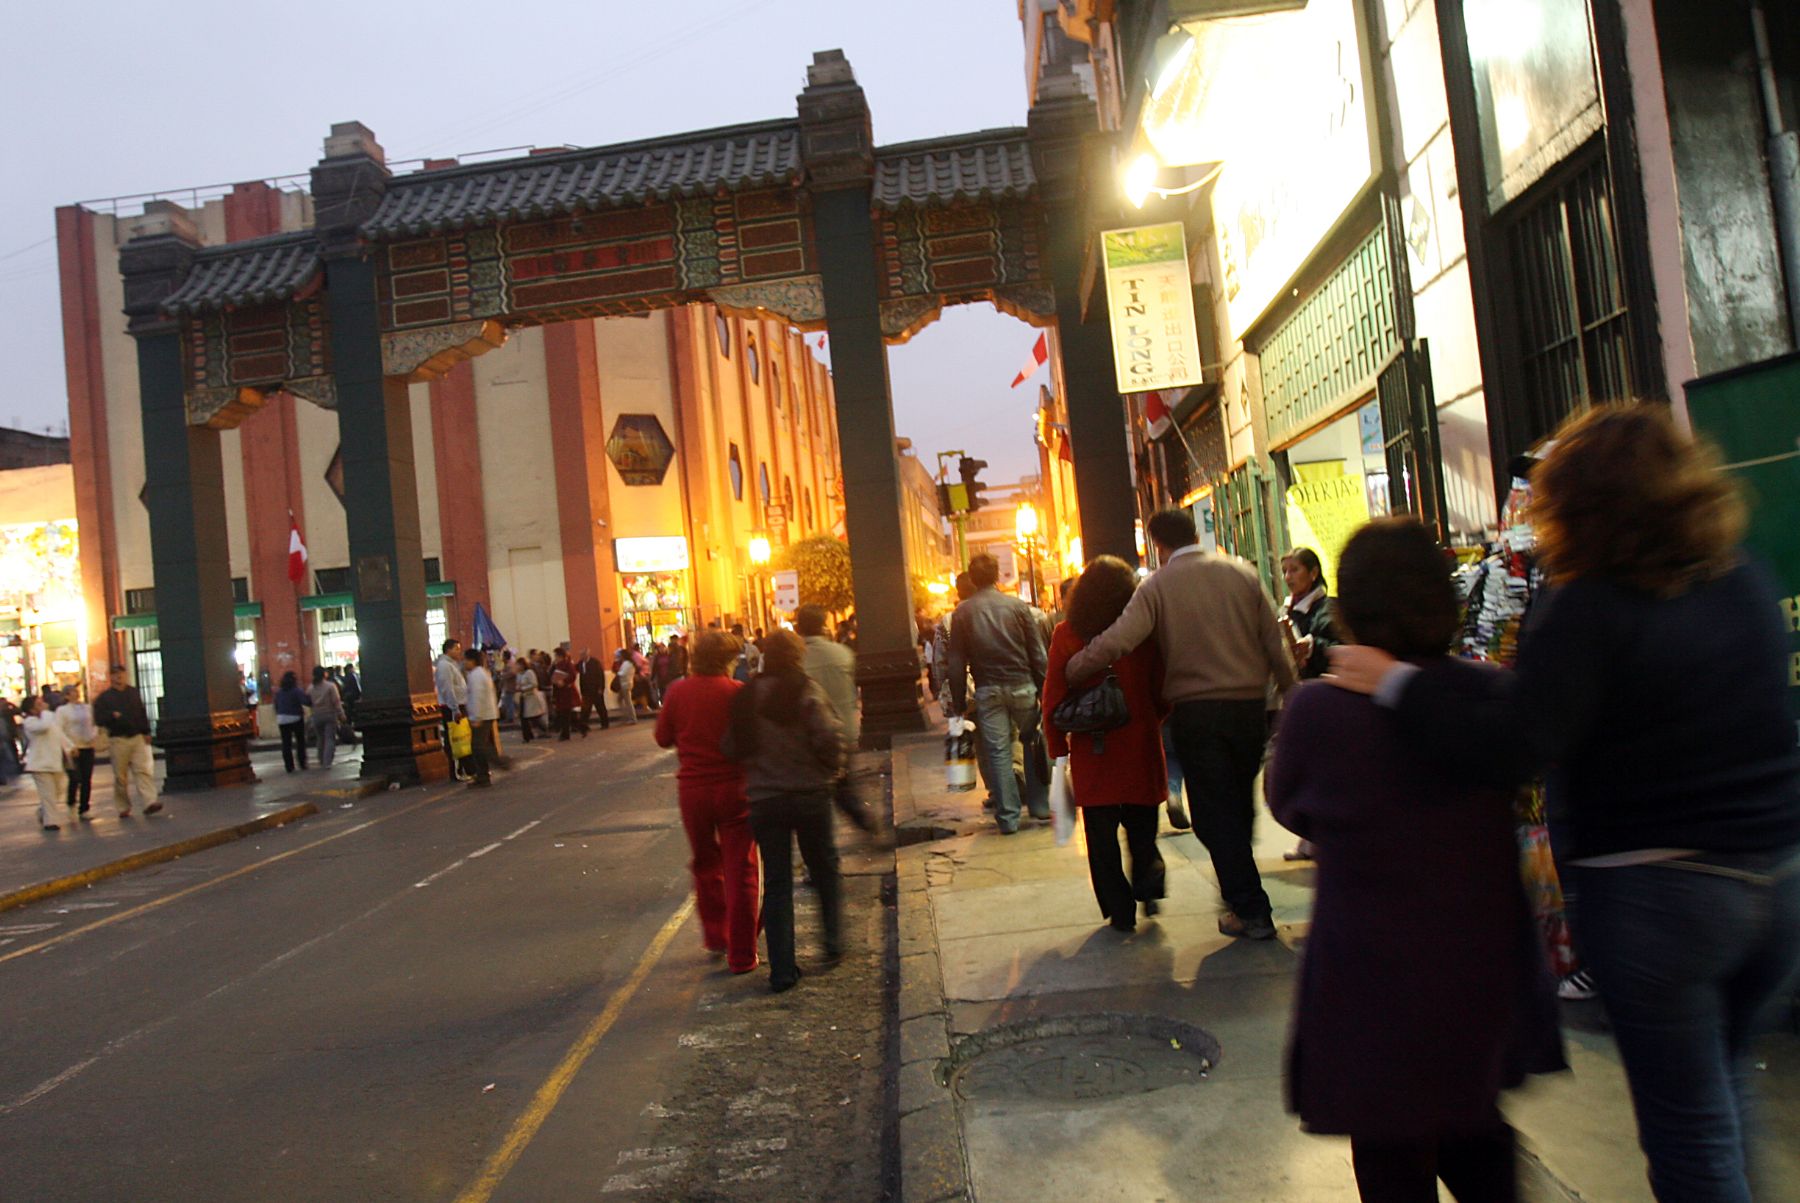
column 1062, row 801
column 959, row 755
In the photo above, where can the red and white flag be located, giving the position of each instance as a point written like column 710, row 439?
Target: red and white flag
column 819, row 341
column 1157, row 415
column 1040, row 354
column 296, row 553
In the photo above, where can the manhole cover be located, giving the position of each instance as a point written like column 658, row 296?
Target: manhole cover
column 1080, row 1058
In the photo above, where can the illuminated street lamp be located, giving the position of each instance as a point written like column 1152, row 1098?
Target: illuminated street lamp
column 759, row 550
column 1025, row 526
column 760, row 554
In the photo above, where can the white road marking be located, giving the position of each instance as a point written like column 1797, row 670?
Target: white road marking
column 24, row 929
column 656, row 1153
column 750, row 1173
column 744, row 1148
column 484, row 851
column 521, row 831
column 419, row 885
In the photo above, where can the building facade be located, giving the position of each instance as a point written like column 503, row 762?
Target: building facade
column 596, row 480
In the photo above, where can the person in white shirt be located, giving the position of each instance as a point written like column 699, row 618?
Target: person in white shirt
column 452, row 692
column 44, row 760
column 77, row 720
column 483, row 706
column 625, row 682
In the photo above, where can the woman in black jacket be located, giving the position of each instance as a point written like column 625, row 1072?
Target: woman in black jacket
column 1652, row 680
column 1308, row 616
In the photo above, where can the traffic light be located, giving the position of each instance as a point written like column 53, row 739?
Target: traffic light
column 967, row 468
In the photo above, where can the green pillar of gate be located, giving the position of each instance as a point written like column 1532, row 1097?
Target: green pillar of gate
column 202, row 725
column 398, row 715
column 838, row 147
column 1074, row 185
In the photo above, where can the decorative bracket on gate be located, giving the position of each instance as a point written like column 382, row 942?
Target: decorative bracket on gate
column 421, row 355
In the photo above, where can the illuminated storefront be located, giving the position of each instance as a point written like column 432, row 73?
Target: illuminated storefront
column 654, row 588
column 40, row 606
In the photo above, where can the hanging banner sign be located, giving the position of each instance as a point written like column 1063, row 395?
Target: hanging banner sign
column 787, row 590
column 1150, row 296
column 1323, row 514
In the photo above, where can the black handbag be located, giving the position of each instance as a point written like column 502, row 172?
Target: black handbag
column 1093, row 710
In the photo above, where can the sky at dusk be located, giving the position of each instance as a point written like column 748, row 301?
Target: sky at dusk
column 109, row 98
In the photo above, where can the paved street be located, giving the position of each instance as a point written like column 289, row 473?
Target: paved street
column 436, row 994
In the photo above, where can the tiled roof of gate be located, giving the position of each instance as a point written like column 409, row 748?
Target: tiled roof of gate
column 700, row 164
column 255, row 272
column 988, row 166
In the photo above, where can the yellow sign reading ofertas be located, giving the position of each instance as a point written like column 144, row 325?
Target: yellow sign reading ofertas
column 1150, row 299
column 1323, row 514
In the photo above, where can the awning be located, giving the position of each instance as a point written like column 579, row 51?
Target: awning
column 440, row 588
column 247, row 610
column 133, row 622
column 328, row 601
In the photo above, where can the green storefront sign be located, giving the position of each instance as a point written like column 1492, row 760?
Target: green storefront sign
column 1753, row 414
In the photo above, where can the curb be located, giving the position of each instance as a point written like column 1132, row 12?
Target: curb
column 154, row 856
column 934, row 1165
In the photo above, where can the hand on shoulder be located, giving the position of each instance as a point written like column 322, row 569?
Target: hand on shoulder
column 1358, row 668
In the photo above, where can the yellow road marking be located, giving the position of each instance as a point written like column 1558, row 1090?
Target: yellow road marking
column 156, row 903
column 551, row 1092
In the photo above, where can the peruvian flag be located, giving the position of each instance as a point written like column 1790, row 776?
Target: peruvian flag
column 1040, row 354
column 296, row 553
column 1157, row 415
column 819, row 342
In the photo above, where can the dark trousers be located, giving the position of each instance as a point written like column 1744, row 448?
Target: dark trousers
column 777, row 823
column 565, row 722
column 527, row 726
column 1692, row 963
column 1480, row 1168
column 81, row 777
column 593, row 703
column 485, row 737
column 1220, row 746
column 293, row 744
column 1118, row 897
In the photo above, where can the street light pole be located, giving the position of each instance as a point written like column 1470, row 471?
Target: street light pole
column 759, row 559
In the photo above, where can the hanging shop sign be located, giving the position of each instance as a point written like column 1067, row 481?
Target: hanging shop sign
column 1323, row 514
column 787, row 590
column 652, row 553
column 1150, row 296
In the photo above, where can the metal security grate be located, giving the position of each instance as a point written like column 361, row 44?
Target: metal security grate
column 1329, row 352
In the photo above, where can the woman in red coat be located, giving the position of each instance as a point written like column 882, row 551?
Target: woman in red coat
column 1119, row 779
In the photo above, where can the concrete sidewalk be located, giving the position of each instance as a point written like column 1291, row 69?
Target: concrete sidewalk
column 35, row 863
column 1046, row 1058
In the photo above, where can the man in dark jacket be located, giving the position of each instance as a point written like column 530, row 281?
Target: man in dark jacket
column 119, row 711
column 592, row 674
column 996, row 639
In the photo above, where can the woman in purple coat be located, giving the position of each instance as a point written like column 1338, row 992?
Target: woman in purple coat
column 1423, row 991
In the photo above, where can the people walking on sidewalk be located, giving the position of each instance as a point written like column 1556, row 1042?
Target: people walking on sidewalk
column 832, row 666
column 715, row 810
column 11, row 760
column 531, row 699
column 77, row 720
column 789, row 741
column 1420, row 913
column 45, row 752
column 484, row 718
column 327, row 712
column 290, row 719
column 119, row 711
column 1651, row 680
column 452, row 695
column 995, row 638
column 1221, row 650
column 592, row 676
column 1119, row 779
column 624, row 682
column 565, row 692
column 1307, row 618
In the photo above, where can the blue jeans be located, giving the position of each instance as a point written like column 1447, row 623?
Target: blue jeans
column 1171, row 762
column 1004, row 713
column 1691, row 962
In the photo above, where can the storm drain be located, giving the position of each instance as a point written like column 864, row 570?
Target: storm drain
column 1078, row 1058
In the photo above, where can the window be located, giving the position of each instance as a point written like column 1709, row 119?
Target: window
column 1573, row 337
column 735, row 463
column 775, row 384
column 434, row 570
column 753, row 360
column 140, row 601
column 331, row 580
column 240, row 590
column 787, row 495
column 147, row 667
column 437, row 622
column 806, row 506
column 762, row 482
column 722, row 332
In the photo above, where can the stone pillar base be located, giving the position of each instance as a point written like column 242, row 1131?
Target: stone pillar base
column 208, row 751
column 892, row 703
column 402, row 741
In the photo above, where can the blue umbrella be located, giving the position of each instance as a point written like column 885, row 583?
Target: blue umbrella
column 487, row 636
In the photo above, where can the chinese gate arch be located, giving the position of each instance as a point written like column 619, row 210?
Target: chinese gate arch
column 401, row 277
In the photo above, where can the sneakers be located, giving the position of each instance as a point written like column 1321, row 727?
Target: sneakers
column 1577, row 987
column 153, row 808
column 1230, row 924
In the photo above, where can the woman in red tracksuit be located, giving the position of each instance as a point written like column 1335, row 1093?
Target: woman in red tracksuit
column 714, row 808
column 1119, row 779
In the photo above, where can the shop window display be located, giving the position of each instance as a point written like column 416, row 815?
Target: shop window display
column 656, row 606
column 40, row 605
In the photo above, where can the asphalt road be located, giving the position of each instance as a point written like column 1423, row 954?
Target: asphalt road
column 437, row 994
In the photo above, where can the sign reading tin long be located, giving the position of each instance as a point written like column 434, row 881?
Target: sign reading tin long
column 1151, row 299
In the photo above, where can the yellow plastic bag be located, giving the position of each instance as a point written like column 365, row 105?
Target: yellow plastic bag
column 462, row 739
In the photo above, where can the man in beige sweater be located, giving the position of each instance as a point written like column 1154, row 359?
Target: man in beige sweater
column 1220, row 647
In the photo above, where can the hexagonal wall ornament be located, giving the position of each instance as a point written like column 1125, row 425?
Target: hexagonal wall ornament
column 639, row 449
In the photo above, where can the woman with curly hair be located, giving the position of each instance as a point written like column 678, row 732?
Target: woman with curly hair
column 1651, row 680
